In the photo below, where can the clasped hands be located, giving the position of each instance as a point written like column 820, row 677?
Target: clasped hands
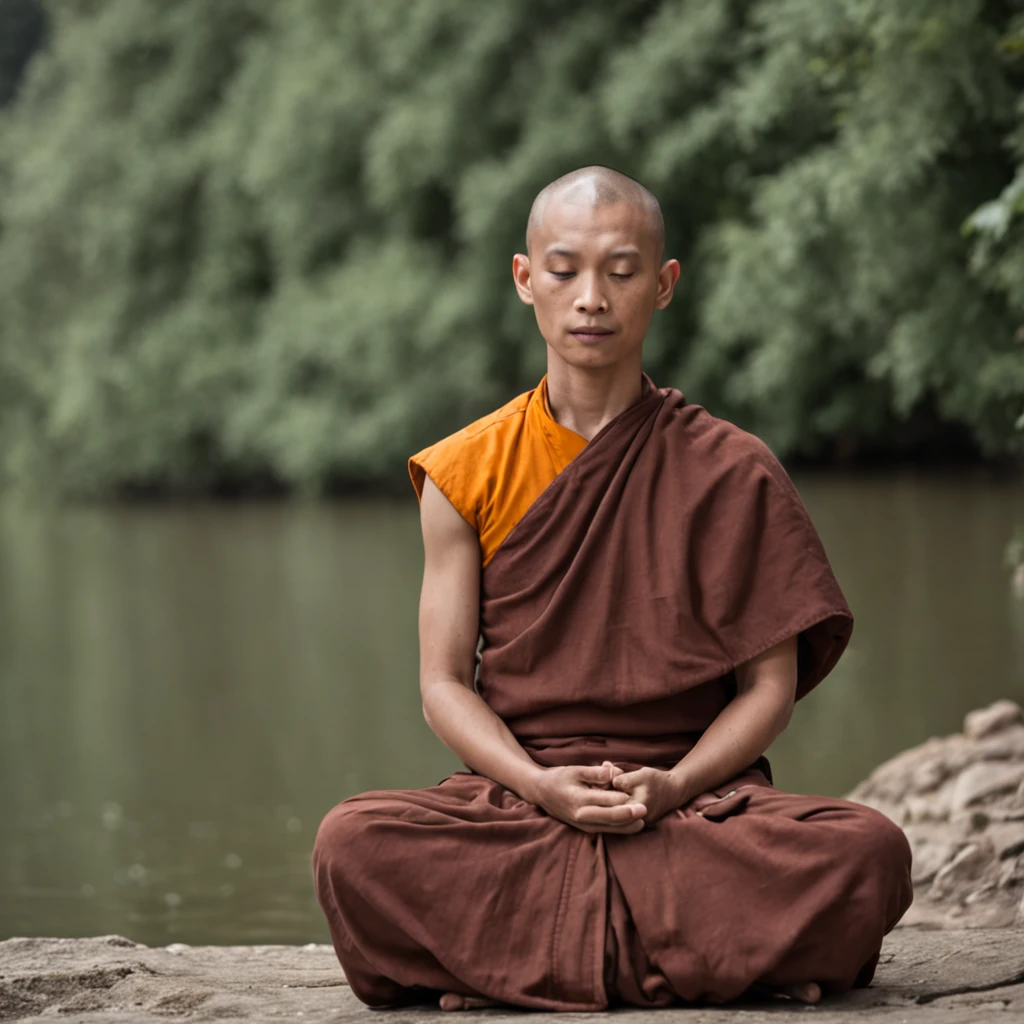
column 606, row 798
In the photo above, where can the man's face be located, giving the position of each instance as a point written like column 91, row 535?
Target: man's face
column 594, row 280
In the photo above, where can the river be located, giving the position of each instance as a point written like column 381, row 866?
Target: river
column 185, row 690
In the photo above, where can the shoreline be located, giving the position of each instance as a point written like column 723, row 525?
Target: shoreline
column 112, row 979
column 957, row 956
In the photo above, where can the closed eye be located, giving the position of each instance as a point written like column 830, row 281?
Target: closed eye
column 564, row 275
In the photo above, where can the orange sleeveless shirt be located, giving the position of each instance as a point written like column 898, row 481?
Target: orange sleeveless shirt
column 493, row 470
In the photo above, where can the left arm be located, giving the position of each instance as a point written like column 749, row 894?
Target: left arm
column 739, row 735
column 746, row 726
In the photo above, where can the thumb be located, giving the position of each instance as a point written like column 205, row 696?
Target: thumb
column 624, row 781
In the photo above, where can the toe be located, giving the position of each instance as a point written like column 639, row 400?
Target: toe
column 457, row 1001
column 807, row 993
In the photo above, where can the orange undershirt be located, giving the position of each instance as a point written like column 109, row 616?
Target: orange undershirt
column 493, row 470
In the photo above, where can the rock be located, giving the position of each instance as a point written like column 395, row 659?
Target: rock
column 979, row 893
column 928, row 859
column 1007, row 745
column 968, row 867
column 891, row 782
column 928, row 775
column 960, row 800
column 983, row 914
column 1011, row 872
column 87, row 981
column 933, row 807
column 983, row 780
column 1007, row 838
column 997, row 716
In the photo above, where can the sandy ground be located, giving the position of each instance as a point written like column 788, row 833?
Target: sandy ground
column 950, row 976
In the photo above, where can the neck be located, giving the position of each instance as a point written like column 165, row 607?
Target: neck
column 584, row 400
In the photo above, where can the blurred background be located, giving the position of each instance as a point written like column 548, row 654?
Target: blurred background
column 255, row 253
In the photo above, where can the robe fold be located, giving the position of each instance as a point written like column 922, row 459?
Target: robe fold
column 672, row 549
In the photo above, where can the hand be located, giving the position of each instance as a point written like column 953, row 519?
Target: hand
column 659, row 791
column 580, row 796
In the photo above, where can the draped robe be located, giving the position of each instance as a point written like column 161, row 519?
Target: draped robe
column 672, row 549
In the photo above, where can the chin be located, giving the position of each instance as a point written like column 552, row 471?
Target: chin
column 586, row 360
column 592, row 358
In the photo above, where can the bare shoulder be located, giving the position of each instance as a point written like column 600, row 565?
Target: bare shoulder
column 453, row 463
column 450, row 597
column 445, row 530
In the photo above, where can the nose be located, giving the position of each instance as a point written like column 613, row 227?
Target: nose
column 591, row 298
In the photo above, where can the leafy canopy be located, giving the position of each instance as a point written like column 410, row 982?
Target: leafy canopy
column 245, row 242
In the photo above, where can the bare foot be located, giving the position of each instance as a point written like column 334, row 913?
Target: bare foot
column 810, row 992
column 457, row 1001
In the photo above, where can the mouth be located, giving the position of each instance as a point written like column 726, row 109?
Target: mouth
column 590, row 332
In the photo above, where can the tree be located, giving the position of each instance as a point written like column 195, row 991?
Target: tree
column 22, row 32
column 841, row 300
column 997, row 254
column 243, row 242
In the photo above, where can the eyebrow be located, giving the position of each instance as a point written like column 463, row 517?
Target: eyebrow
column 623, row 250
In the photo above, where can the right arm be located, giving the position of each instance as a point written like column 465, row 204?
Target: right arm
column 449, row 622
column 449, row 628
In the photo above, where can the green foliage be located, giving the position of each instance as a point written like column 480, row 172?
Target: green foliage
column 840, row 298
column 243, row 241
column 22, row 30
column 997, row 256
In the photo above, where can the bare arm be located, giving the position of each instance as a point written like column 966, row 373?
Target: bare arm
column 449, row 627
column 746, row 726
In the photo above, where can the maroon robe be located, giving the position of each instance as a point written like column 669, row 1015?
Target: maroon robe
column 671, row 550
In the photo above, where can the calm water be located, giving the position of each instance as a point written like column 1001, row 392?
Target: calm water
column 185, row 692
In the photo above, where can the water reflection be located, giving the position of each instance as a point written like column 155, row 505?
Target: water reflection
column 184, row 692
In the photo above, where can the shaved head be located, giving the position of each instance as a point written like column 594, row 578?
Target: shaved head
column 593, row 269
column 598, row 186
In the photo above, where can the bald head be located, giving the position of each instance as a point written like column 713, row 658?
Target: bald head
column 598, row 186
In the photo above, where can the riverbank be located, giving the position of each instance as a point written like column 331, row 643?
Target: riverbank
column 925, row 976
column 960, row 799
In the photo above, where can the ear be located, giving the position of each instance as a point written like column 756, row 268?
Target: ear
column 521, row 276
column 667, row 278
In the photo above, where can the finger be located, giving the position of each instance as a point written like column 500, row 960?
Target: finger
column 594, row 772
column 602, row 797
column 621, row 815
column 595, row 785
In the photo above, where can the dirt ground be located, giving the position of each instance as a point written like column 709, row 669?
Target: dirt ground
column 949, row 976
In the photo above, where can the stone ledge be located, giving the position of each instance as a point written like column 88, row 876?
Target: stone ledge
column 960, row 801
column 949, row 976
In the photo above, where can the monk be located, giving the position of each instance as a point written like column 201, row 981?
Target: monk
column 623, row 597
